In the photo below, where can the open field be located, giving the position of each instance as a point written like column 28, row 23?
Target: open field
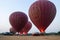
column 50, row 37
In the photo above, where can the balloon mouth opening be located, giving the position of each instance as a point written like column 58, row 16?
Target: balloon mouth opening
column 42, row 31
column 23, row 33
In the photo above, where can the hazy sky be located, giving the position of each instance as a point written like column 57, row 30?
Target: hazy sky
column 9, row 6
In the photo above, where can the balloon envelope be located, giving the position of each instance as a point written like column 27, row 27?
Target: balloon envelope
column 42, row 14
column 18, row 20
column 26, row 28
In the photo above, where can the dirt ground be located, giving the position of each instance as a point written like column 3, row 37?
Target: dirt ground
column 50, row 37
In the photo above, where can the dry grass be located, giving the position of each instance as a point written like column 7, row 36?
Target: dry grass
column 51, row 37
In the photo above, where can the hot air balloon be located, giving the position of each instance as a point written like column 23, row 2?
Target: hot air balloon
column 18, row 20
column 26, row 28
column 12, row 30
column 42, row 14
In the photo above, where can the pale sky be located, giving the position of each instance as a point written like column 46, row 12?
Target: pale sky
column 9, row 6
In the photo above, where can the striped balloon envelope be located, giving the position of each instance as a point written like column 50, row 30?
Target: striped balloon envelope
column 18, row 20
column 42, row 14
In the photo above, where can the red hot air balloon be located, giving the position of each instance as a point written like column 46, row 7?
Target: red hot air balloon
column 26, row 28
column 42, row 14
column 18, row 20
column 12, row 30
